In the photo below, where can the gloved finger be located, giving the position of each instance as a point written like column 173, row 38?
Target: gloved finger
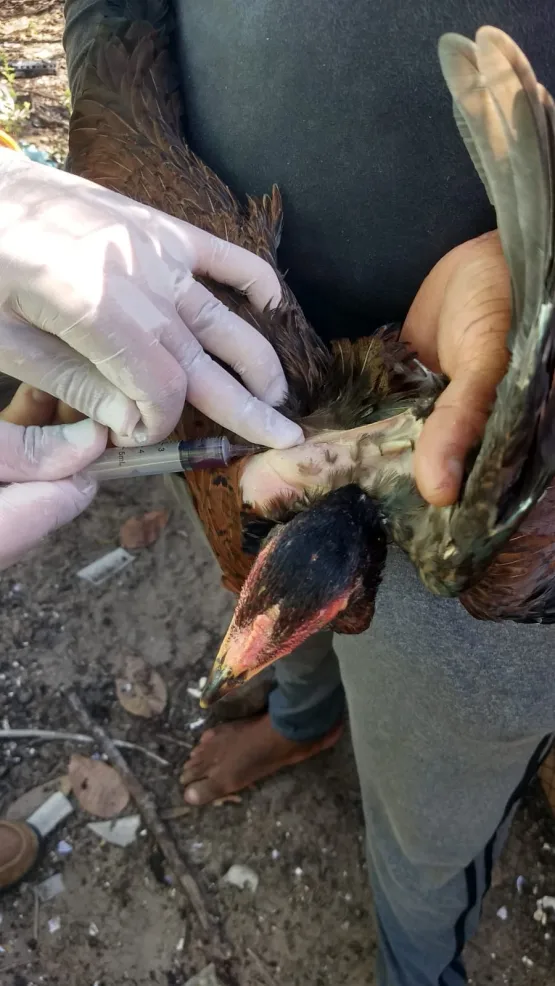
column 48, row 453
column 29, row 511
column 30, row 406
column 47, row 363
column 229, row 264
column 222, row 333
column 224, row 400
column 454, row 426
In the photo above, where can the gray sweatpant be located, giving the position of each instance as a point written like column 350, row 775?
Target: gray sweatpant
column 450, row 718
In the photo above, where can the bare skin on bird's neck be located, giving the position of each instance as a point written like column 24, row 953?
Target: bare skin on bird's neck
column 331, row 459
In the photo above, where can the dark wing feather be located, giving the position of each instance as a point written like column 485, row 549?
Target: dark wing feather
column 519, row 585
column 509, row 120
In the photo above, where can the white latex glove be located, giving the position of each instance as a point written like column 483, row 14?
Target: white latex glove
column 99, row 307
column 34, row 460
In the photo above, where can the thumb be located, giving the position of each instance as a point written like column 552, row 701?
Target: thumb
column 29, row 511
column 456, row 423
column 54, row 452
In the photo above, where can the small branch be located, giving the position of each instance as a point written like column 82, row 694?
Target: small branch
column 268, row 979
column 36, row 910
column 52, row 734
column 145, row 803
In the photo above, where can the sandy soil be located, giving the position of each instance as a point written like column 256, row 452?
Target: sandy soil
column 309, row 922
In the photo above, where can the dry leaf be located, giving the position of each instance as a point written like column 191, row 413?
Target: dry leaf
column 29, row 802
column 172, row 814
column 141, row 690
column 98, row 788
column 140, row 532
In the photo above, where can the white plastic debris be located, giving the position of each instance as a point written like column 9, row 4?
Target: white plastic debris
column 547, row 903
column 64, row 848
column 93, row 930
column 503, row 913
column 520, row 884
column 106, row 566
column 527, row 962
column 2, row 950
column 241, row 876
column 54, row 925
column 119, row 831
column 275, row 854
column 194, row 692
column 197, row 723
column 298, row 871
column 207, row 977
column 202, row 682
column 50, row 888
column 180, row 945
column 51, row 813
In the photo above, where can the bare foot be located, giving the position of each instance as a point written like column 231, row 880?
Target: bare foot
column 236, row 754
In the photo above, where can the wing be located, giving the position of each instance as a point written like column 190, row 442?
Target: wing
column 519, row 585
column 508, row 124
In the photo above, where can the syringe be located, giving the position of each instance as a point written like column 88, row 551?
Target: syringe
column 167, row 457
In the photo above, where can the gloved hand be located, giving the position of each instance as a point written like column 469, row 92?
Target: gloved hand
column 35, row 460
column 458, row 323
column 99, row 306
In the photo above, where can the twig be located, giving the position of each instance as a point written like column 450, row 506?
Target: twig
column 51, row 734
column 36, row 916
column 268, row 979
column 18, row 964
column 145, row 803
column 166, row 738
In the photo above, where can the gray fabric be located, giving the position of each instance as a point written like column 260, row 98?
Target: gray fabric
column 309, row 699
column 343, row 104
column 447, row 714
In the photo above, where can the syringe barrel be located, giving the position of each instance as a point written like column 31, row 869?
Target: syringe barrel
column 165, row 457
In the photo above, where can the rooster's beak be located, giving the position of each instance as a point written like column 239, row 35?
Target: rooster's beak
column 244, row 652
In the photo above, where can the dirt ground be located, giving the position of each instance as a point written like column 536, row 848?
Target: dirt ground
column 309, row 922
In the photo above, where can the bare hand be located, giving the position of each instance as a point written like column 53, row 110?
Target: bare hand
column 458, row 324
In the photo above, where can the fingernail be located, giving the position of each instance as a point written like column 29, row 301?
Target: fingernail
column 84, row 484
column 276, row 392
column 191, row 796
column 140, row 436
column 288, row 433
column 82, row 434
column 455, row 469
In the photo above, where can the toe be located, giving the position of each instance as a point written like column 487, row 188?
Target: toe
column 207, row 737
column 193, row 770
column 203, row 792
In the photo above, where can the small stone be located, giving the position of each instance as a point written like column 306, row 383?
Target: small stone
column 241, row 876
